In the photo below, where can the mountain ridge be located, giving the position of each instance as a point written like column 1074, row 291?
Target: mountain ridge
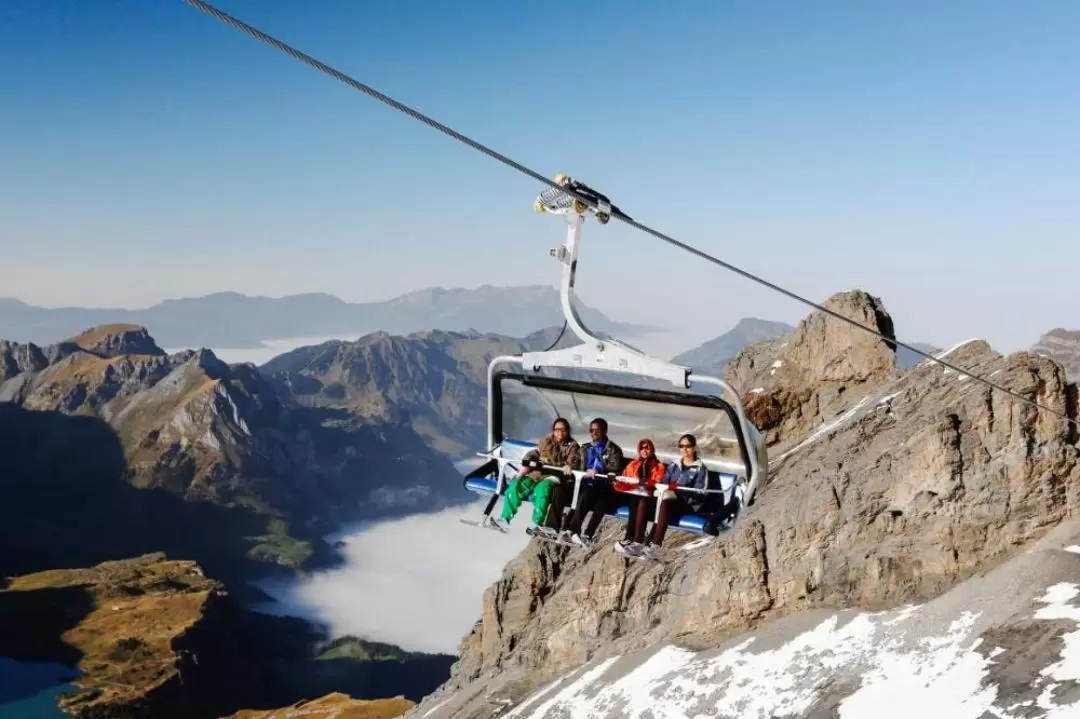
column 236, row 320
column 108, row 424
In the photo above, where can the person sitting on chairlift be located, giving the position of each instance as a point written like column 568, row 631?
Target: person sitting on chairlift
column 687, row 471
column 649, row 471
column 558, row 449
column 601, row 456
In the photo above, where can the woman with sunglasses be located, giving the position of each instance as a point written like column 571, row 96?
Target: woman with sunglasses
column 688, row 471
column 649, row 471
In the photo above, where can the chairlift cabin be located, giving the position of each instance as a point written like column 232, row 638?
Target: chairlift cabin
column 639, row 396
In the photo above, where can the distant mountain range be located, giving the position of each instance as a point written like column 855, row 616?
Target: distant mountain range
column 711, row 357
column 231, row 319
column 1062, row 346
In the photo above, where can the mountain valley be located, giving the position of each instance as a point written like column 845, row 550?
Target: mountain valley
column 893, row 482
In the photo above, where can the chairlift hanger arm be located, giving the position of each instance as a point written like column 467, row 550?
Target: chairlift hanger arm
column 594, row 352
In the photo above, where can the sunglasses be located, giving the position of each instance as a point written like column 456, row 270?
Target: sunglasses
column 686, row 446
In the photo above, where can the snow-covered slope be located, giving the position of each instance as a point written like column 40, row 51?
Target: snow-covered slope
column 1006, row 644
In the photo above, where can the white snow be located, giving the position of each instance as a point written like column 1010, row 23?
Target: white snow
column 887, row 398
column 825, row 429
column 939, row 677
column 943, row 679
column 943, row 674
column 778, row 364
column 757, row 390
column 1074, row 548
column 952, row 349
column 1058, row 599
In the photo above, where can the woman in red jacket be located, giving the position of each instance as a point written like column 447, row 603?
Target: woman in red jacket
column 649, row 471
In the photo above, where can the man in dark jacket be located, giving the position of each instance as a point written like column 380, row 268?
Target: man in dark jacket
column 599, row 457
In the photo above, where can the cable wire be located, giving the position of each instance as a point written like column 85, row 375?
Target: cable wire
column 417, row 115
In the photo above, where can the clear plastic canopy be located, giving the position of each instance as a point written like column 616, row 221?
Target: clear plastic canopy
column 528, row 412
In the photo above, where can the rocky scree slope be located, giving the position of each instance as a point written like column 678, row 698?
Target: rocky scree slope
column 887, row 487
column 221, row 461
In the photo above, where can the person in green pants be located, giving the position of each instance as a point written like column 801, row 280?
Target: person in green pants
column 558, row 449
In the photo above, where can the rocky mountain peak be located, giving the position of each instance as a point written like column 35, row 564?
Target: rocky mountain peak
column 886, row 488
column 830, row 350
column 16, row 358
column 118, row 339
column 790, row 382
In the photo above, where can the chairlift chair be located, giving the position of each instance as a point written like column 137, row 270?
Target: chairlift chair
column 527, row 392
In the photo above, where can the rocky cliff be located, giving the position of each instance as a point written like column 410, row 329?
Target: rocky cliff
column 1062, row 346
column 887, row 487
column 211, row 447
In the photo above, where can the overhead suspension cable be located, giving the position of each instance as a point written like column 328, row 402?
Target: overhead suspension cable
column 417, row 115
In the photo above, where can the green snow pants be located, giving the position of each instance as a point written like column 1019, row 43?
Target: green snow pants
column 519, row 489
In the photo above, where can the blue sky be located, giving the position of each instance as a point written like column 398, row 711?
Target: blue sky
column 925, row 152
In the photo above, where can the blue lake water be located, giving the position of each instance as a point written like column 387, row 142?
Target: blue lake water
column 28, row 690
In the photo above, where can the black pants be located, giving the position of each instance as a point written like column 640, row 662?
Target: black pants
column 600, row 498
column 561, row 497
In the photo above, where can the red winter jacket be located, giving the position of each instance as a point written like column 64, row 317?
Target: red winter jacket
column 652, row 473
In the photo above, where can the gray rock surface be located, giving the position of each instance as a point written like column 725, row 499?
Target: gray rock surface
column 887, row 487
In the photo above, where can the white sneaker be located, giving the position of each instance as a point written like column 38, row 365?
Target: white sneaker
column 628, row 549
column 580, row 541
column 651, row 552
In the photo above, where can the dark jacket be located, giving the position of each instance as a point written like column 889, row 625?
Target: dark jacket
column 611, row 457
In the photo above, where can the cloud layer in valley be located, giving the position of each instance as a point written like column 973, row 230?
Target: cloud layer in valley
column 416, row 582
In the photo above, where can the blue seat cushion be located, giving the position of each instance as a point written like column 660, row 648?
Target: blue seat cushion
column 688, row 522
column 483, row 485
column 692, row 523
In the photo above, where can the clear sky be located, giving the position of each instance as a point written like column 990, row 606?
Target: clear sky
column 926, row 152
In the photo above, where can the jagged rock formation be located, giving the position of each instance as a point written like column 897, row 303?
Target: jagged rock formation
column 790, row 382
column 109, row 410
column 150, row 637
column 886, row 487
column 1062, row 346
